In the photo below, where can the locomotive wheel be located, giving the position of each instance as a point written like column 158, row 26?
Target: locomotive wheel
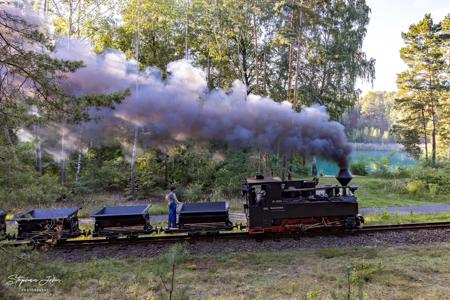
column 112, row 237
column 148, row 228
column 296, row 236
column 212, row 233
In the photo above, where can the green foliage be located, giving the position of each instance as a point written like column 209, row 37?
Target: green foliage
column 433, row 179
column 221, row 39
column 166, row 269
column 380, row 167
column 415, row 187
column 360, row 167
column 20, row 183
column 104, row 169
column 31, row 78
column 423, row 88
column 364, row 271
column 372, row 118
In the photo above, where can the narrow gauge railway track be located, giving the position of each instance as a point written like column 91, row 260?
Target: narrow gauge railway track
column 410, row 226
column 177, row 238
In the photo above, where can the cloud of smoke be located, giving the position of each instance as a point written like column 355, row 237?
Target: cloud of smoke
column 181, row 108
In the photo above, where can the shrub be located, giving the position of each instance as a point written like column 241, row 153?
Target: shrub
column 402, row 172
column 433, row 188
column 193, row 193
column 21, row 185
column 415, row 187
column 360, row 167
column 110, row 175
column 435, row 179
column 381, row 167
column 396, row 186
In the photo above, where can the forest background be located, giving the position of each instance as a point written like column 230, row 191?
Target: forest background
column 305, row 52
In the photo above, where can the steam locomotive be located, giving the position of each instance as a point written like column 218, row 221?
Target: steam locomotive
column 276, row 206
column 271, row 206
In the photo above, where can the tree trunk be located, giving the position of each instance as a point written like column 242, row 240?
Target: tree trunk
column 10, row 142
column 266, row 92
column 137, row 40
column 291, row 54
column 77, row 175
column 255, row 37
column 70, row 18
column 433, row 136
column 297, row 74
column 186, row 55
column 133, row 165
column 38, row 151
column 283, row 167
column 433, row 123
column 424, row 123
column 259, row 162
column 208, row 71
column 78, row 18
column 63, row 160
column 242, row 49
column 166, row 170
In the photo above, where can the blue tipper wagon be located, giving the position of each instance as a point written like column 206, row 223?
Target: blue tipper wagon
column 204, row 217
column 2, row 224
column 44, row 224
column 122, row 220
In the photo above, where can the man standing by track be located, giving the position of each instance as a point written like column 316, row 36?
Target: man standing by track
column 172, row 202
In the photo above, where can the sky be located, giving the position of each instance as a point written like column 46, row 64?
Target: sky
column 388, row 19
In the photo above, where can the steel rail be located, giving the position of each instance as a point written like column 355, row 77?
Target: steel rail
column 409, row 226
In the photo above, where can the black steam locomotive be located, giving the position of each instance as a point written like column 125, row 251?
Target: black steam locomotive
column 271, row 206
column 276, row 206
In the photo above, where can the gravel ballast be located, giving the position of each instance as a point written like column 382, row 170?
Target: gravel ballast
column 221, row 246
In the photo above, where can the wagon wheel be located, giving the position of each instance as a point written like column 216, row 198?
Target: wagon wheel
column 148, row 228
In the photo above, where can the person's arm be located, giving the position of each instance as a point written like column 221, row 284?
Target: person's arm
column 175, row 198
column 167, row 198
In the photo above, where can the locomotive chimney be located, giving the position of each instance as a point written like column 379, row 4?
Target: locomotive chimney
column 344, row 177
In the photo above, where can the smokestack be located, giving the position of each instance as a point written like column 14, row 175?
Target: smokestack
column 344, row 176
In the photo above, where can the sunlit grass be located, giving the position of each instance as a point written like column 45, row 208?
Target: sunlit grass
column 386, row 218
column 375, row 273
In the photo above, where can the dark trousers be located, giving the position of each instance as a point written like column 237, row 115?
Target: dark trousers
column 173, row 215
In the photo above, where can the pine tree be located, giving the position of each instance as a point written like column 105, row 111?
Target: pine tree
column 30, row 76
column 422, row 85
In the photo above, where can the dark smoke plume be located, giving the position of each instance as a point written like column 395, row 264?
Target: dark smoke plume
column 182, row 108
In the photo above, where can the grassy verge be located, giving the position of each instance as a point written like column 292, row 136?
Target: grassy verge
column 386, row 218
column 369, row 273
